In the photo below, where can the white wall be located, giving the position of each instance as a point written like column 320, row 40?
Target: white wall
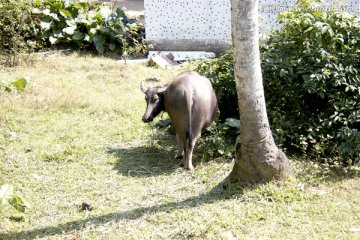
column 205, row 24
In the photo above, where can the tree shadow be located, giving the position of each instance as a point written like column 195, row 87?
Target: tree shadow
column 221, row 192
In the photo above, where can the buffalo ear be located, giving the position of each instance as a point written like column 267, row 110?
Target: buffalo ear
column 162, row 89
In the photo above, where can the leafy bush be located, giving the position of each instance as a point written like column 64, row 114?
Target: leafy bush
column 84, row 25
column 311, row 75
column 66, row 23
column 218, row 139
column 311, row 80
column 20, row 29
column 220, row 71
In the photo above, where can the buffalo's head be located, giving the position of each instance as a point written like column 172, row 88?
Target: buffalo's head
column 154, row 96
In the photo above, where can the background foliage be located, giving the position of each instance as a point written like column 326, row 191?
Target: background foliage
column 32, row 25
column 220, row 71
column 311, row 80
column 20, row 29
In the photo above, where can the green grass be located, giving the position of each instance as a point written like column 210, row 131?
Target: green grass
column 75, row 135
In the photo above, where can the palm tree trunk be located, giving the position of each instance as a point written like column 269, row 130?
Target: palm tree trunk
column 258, row 158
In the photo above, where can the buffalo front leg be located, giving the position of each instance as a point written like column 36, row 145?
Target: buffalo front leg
column 180, row 152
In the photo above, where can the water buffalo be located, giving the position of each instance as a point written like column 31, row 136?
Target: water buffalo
column 191, row 104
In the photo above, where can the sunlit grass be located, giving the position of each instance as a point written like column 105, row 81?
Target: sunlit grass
column 75, row 135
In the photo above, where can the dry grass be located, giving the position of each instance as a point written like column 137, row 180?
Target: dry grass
column 75, row 135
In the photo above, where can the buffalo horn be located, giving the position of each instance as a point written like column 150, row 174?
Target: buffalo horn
column 143, row 89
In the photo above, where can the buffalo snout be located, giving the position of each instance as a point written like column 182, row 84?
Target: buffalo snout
column 147, row 119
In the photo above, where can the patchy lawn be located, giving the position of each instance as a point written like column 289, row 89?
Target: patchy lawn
column 75, row 136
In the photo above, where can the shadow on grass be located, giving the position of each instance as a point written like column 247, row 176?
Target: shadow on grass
column 221, row 192
column 144, row 161
column 155, row 158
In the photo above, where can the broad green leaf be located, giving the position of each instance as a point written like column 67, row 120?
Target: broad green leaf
column 58, row 33
column 100, row 48
column 324, row 29
column 308, row 29
column 56, row 6
column 20, row 84
column 93, row 30
column 87, row 38
column 65, row 13
column 105, row 11
column 112, row 46
column 50, row 14
column 36, row 10
column 98, row 16
column 69, row 30
column 78, row 36
column 37, row 2
column 46, row 25
column 98, row 39
column 79, row 6
column 46, row 11
column 53, row 40
column 232, row 122
column 283, row 73
column 104, row 29
column 71, row 23
column 18, row 203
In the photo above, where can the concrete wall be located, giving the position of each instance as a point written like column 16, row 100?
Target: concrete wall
column 180, row 25
column 188, row 24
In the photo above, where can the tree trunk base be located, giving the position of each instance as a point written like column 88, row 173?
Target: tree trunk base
column 261, row 162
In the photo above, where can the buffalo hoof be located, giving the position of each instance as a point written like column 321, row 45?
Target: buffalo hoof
column 190, row 168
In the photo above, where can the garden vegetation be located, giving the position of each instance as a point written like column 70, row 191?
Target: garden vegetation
column 311, row 72
column 79, row 25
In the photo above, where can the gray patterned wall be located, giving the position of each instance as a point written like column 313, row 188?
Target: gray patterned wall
column 188, row 19
column 205, row 24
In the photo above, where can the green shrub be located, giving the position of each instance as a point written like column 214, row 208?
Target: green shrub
column 220, row 71
column 20, row 29
column 219, row 139
column 84, row 25
column 311, row 79
column 311, row 75
column 32, row 25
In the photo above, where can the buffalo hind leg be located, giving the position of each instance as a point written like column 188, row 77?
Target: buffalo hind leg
column 187, row 161
column 188, row 157
column 180, row 152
